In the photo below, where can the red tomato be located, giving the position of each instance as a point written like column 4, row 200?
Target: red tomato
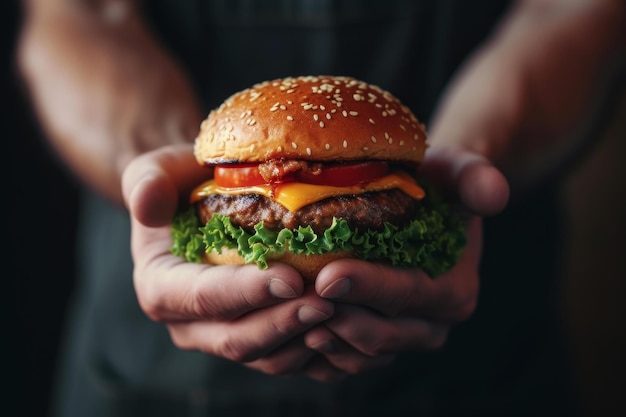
column 240, row 175
column 343, row 175
column 338, row 175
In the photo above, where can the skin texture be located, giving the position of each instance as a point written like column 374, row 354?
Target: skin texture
column 504, row 124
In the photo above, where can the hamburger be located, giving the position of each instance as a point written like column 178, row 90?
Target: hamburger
column 307, row 170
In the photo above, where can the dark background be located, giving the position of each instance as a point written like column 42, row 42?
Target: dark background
column 40, row 207
column 41, row 200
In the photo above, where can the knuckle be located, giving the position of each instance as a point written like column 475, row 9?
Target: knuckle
column 376, row 348
column 231, row 348
column 437, row 340
column 178, row 340
column 465, row 310
column 283, row 327
column 411, row 297
column 151, row 302
column 276, row 368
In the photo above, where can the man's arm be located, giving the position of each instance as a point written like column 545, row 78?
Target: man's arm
column 528, row 99
column 103, row 88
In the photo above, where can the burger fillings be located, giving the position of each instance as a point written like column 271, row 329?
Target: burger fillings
column 306, row 170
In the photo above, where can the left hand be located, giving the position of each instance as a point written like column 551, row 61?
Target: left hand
column 381, row 311
column 516, row 104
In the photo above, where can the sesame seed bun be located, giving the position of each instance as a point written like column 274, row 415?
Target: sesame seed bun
column 297, row 202
column 322, row 118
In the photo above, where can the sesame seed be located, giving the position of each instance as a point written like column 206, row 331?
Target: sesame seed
column 354, row 113
column 322, row 107
column 328, row 116
column 279, row 149
column 321, row 124
column 308, row 151
column 357, row 97
column 283, row 107
column 345, row 143
column 401, row 143
column 373, row 139
column 290, row 118
column 315, row 117
column 327, row 146
column 345, row 113
column 365, row 148
column 403, row 127
column 372, row 121
column 294, row 145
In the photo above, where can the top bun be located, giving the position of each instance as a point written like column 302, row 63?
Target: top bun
column 323, row 118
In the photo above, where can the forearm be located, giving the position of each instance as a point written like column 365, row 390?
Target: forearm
column 526, row 98
column 103, row 88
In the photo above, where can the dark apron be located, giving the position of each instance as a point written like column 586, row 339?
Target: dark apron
column 507, row 360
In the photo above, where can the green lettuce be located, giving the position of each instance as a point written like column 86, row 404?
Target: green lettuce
column 432, row 241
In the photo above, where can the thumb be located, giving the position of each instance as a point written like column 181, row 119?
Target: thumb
column 468, row 178
column 155, row 182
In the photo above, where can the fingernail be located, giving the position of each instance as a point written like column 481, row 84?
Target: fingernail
column 327, row 346
column 310, row 315
column 279, row 289
column 337, row 289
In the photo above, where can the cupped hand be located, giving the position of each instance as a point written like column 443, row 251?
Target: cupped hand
column 236, row 312
column 383, row 311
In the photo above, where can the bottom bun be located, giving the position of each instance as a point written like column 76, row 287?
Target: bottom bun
column 307, row 265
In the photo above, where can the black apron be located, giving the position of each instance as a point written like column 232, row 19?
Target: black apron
column 507, row 360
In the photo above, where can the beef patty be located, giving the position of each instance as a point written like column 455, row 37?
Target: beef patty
column 369, row 210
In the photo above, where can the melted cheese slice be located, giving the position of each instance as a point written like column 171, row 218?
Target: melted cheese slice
column 295, row 195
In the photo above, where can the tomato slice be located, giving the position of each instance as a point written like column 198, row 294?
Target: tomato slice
column 337, row 175
column 343, row 175
column 240, row 175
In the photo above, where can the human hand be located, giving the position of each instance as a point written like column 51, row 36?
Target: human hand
column 520, row 103
column 236, row 312
column 382, row 311
column 104, row 90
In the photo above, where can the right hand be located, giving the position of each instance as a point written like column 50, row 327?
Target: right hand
column 240, row 313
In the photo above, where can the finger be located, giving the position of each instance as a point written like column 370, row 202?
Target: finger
column 394, row 291
column 254, row 335
column 467, row 178
column 169, row 289
column 321, row 370
column 289, row 359
column 155, row 182
column 343, row 356
column 359, row 339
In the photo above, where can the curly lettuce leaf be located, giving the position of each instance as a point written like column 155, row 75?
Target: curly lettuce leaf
column 433, row 241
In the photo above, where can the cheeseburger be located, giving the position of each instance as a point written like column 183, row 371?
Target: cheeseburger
column 311, row 169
